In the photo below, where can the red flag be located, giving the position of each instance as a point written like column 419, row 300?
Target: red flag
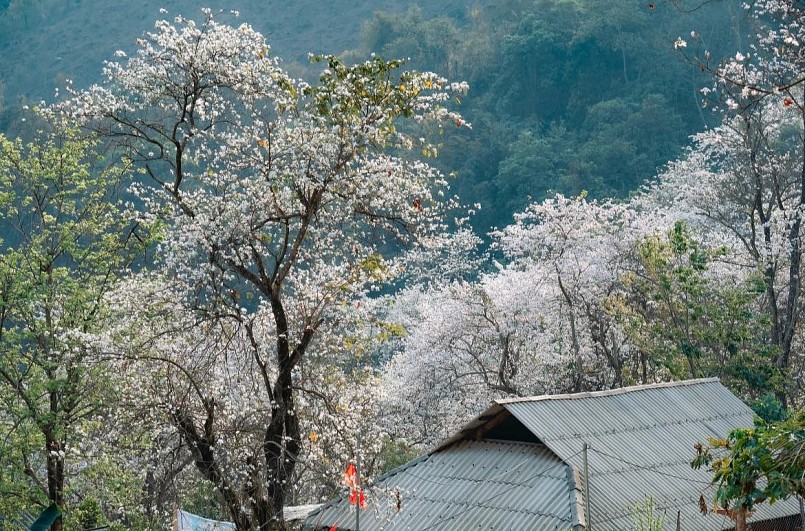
column 350, row 478
column 357, row 496
column 335, row 527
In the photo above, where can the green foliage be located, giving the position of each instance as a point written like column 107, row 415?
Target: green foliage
column 618, row 144
column 646, row 517
column 565, row 96
column 344, row 92
column 769, row 408
column 689, row 324
column 88, row 514
column 66, row 240
column 532, row 67
column 429, row 44
column 106, row 489
column 755, row 465
column 201, row 499
column 395, row 453
column 537, row 162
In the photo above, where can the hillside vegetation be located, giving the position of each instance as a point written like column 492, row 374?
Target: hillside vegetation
column 565, row 96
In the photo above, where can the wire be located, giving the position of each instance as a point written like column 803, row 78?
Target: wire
column 436, row 482
column 542, row 473
column 642, row 467
column 650, row 469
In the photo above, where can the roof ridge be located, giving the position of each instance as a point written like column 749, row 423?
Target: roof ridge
column 607, row 392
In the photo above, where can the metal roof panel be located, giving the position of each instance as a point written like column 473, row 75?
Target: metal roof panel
column 500, row 485
column 641, row 442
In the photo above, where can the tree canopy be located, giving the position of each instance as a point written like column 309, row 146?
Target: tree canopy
column 281, row 202
column 67, row 242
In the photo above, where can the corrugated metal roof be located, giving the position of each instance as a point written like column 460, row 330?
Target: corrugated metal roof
column 500, row 485
column 641, row 444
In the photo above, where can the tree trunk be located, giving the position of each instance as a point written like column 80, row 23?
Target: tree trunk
column 783, row 360
column 575, row 345
column 55, row 464
column 281, row 449
column 740, row 520
column 201, row 445
column 281, row 442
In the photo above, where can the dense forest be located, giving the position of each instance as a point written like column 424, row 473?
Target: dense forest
column 566, row 96
column 222, row 258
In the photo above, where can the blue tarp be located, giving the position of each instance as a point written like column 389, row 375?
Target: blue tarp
column 190, row 522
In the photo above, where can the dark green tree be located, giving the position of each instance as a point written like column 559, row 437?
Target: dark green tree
column 687, row 324
column 755, row 465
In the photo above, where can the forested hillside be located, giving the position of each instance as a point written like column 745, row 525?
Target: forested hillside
column 567, row 96
column 228, row 269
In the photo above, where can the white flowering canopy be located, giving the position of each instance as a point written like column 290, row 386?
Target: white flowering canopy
column 280, row 203
column 264, row 173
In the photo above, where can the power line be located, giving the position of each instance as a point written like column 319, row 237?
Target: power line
column 542, row 473
column 436, row 482
column 546, row 473
column 650, row 469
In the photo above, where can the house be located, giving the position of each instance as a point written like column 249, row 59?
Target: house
column 519, row 466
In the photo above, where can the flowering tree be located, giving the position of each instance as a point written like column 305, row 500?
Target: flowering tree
column 467, row 344
column 594, row 296
column 699, row 274
column 539, row 324
column 67, row 243
column 189, row 361
column 582, row 247
column 741, row 187
column 758, row 157
column 280, row 202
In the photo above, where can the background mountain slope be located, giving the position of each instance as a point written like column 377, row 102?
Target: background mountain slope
column 565, row 96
